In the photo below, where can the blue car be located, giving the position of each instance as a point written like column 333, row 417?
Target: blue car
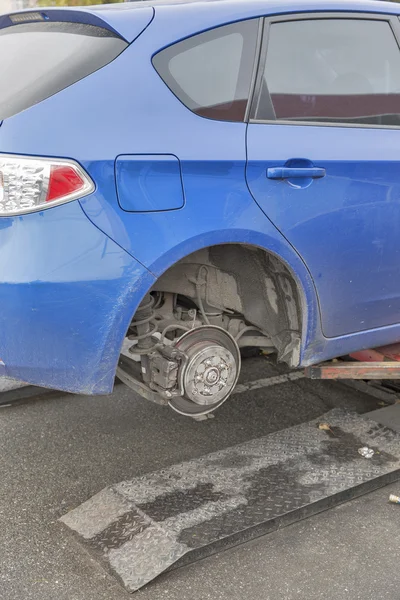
column 180, row 180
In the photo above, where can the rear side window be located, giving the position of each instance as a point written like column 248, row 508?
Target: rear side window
column 211, row 72
column 332, row 70
column 39, row 59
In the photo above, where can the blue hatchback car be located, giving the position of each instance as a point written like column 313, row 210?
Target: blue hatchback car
column 182, row 179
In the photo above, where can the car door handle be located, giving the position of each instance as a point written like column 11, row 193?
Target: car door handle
column 295, row 172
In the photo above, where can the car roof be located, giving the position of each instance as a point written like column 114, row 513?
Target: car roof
column 186, row 17
column 267, row 6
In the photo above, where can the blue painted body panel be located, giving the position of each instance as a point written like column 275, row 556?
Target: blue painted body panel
column 345, row 226
column 67, row 292
column 148, row 183
column 73, row 276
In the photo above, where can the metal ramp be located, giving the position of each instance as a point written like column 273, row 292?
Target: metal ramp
column 145, row 526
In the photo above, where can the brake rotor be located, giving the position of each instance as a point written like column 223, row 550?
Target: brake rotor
column 210, row 372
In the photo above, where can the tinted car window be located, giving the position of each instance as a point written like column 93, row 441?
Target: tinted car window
column 338, row 70
column 39, row 59
column 211, row 72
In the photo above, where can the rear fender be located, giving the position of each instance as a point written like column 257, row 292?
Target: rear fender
column 68, row 293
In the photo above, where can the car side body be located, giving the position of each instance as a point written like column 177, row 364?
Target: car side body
column 313, row 263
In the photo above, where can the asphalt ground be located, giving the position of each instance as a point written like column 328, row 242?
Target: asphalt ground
column 58, row 450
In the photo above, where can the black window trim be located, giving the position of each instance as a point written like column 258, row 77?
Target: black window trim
column 257, row 55
column 256, row 67
column 392, row 19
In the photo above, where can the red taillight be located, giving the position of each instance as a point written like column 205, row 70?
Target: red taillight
column 30, row 184
column 64, row 180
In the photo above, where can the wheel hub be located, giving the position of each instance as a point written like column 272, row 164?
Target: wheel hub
column 213, row 375
column 210, row 372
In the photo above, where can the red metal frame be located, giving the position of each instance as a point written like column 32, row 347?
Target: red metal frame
column 391, row 352
column 378, row 363
column 354, row 370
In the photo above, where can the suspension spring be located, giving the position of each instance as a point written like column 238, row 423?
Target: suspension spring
column 143, row 327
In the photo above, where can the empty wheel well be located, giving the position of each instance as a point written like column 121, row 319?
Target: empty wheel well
column 246, row 280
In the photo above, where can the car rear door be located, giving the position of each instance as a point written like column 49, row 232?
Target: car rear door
column 323, row 147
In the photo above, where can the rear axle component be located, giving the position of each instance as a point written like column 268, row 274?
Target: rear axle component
column 209, row 374
column 194, row 374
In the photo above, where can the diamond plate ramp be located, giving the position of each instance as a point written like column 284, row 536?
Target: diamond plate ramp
column 142, row 527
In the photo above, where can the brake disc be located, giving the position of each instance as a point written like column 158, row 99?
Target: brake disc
column 211, row 370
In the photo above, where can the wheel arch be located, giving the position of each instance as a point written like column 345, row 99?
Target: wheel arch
column 272, row 279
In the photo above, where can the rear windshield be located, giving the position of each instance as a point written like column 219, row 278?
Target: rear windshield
column 38, row 60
